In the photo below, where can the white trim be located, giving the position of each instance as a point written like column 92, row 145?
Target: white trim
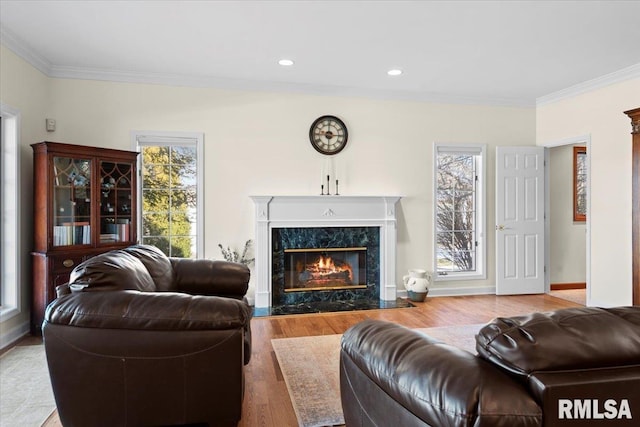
column 624, row 74
column 169, row 138
column 481, row 196
column 17, row 46
column 582, row 140
column 13, row 335
column 11, row 265
column 272, row 86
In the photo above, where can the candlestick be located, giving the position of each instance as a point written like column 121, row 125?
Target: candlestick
column 322, row 189
column 337, row 193
column 328, row 187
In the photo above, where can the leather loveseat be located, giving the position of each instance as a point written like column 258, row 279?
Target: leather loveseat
column 571, row 367
column 139, row 339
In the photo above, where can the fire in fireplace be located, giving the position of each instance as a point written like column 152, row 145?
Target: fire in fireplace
column 326, row 268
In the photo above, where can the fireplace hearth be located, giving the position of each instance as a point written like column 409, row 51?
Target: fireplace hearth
column 330, row 307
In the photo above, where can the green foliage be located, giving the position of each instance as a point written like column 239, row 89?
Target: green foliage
column 234, row 256
column 169, row 199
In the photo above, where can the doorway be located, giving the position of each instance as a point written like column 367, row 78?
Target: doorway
column 567, row 244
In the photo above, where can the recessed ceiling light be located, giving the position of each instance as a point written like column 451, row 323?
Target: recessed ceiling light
column 285, row 62
column 394, row 72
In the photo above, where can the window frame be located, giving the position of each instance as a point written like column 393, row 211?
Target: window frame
column 480, row 150
column 11, row 223
column 577, row 152
column 162, row 138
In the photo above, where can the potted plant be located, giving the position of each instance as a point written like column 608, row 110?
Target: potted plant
column 234, row 256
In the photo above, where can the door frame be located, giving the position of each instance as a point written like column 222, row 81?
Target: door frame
column 582, row 140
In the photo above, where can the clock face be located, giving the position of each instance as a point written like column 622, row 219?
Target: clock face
column 328, row 135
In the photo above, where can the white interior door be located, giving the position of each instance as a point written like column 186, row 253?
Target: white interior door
column 519, row 220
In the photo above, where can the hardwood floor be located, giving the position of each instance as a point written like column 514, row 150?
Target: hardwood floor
column 266, row 401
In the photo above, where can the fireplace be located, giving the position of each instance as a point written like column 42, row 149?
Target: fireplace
column 313, row 269
column 313, row 264
column 292, row 231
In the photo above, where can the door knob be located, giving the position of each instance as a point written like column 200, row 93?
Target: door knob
column 500, row 227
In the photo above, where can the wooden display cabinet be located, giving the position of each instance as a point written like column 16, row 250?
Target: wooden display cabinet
column 84, row 205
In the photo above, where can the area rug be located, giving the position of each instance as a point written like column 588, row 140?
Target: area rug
column 311, row 369
column 25, row 389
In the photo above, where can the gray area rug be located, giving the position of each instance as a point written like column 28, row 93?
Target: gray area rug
column 25, row 389
column 310, row 367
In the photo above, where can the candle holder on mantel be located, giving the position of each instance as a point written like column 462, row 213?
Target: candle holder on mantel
column 328, row 193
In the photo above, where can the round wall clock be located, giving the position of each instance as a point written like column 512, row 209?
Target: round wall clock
column 328, row 135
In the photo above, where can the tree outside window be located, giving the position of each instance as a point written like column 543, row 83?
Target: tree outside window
column 169, row 199
column 579, row 184
column 459, row 216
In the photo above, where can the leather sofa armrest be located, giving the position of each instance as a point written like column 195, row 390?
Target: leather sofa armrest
column 163, row 311
column 211, row 277
column 439, row 383
column 568, row 395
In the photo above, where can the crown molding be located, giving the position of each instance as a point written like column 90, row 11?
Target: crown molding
column 628, row 73
column 20, row 48
column 270, row 86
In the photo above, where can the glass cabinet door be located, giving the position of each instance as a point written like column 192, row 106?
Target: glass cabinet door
column 116, row 186
column 71, row 201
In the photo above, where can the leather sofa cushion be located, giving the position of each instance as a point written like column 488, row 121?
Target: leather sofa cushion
column 111, row 271
column 210, row 277
column 575, row 338
column 157, row 264
column 148, row 311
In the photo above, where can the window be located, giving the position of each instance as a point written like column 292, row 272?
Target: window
column 459, row 211
column 9, row 203
column 170, row 185
column 579, row 184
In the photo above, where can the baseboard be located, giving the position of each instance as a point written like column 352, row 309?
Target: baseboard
column 10, row 337
column 565, row 286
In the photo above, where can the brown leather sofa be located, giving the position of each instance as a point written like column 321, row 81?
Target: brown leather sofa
column 139, row 339
column 572, row 367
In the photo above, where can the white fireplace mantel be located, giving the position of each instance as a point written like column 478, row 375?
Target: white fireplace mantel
column 324, row 211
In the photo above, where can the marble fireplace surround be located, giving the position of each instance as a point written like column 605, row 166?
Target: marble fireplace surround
column 324, row 211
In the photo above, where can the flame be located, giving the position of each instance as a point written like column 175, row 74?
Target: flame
column 326, row 264
column 325, row 267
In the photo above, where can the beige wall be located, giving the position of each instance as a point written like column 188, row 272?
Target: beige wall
column 568, row 240
column 257, row 143
column 599, row 115
column 25, row 89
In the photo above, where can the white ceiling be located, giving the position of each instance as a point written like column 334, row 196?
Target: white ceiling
column 495, row 52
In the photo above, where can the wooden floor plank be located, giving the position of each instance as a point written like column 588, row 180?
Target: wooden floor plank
column 267, row 403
